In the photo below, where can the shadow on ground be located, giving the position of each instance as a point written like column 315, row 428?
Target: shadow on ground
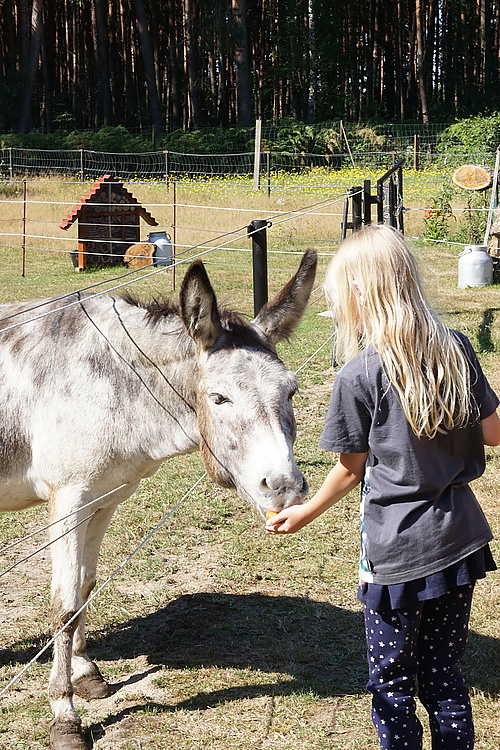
column 317, row 644
column 313, row 646
column 484, row 337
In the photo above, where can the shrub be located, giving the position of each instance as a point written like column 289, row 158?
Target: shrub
column 473, row 135
column 33, row 140
column 437, row 217
column 110, row 139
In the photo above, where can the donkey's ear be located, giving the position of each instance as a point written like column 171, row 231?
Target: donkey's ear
column 198, row 306
column 282, row 314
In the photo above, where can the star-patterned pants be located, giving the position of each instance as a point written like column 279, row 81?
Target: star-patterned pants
column 416, row 651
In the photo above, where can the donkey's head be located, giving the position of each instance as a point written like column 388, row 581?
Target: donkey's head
column 244, row 394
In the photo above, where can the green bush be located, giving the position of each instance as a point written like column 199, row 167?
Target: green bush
column 475, row 135
column 33, row 140
column 478, row 134
column 110, row 139
column 472, row 224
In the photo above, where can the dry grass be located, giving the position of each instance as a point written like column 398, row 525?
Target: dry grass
column 217, row 636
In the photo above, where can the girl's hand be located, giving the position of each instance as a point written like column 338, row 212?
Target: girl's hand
column 345, row 475
column 289, row 520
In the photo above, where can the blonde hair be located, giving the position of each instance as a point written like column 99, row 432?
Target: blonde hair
column 376, row 297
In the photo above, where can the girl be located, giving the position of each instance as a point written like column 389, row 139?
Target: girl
column 409, row 415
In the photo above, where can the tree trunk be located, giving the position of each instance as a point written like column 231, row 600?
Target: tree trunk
column 149, row 69
column 422, row 90
column 313, row 62
column 47, row 68
column 24, row 122
column 102, row 65
column 242, row 63
column 191, row 67
column 174, row 105
column 398, row 61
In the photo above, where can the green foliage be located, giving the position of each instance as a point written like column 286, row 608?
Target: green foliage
column 289, row 136
column 472, row 224
column 477, row 134
column 295, row 137
column 33, row 140
column 437, row 218
column 210, row 141
column 185, row 142
column 366, row 138
column 110, row 139
column 469, row 228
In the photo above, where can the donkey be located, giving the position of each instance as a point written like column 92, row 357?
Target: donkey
column 97, row 394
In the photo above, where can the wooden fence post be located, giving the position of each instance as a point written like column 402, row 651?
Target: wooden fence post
column 256, row 158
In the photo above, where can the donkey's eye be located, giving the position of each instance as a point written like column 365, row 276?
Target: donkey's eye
column 218, row 398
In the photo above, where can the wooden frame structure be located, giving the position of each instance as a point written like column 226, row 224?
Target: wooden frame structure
column 108, row 223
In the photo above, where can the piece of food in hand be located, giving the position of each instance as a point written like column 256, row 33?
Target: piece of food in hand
column 270, row 514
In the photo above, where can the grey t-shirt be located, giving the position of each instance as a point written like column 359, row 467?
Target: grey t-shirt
column 418, row 513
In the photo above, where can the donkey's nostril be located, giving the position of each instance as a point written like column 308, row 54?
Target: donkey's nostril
column 280, row 485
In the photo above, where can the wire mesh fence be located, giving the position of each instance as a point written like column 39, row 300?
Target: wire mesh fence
column 84, row 164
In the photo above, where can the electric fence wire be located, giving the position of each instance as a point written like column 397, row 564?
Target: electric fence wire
column 248, row 232
column 15, row 543
column 100, row 588
column 316, row 293
column 118, row 570
column 134, row 552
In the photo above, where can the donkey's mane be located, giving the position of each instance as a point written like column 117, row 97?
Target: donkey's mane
column 159, row 308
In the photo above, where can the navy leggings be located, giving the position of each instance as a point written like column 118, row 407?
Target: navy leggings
column 416, row 651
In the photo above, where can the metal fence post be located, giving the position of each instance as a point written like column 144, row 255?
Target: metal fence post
column 354, row 194
column 367, row 202
column 82, row 165
column 399, row 197
column 380, row 201
column 357, row 199
column 258, row 230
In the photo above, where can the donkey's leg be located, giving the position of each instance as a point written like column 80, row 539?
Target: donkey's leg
column 87, row 681
column 66, row 552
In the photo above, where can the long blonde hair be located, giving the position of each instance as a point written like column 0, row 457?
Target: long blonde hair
column 376, row 298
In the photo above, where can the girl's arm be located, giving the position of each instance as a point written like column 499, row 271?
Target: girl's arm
column 491, row 429
column 345, row 475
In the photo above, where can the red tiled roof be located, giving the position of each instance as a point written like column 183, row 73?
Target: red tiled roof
column 95, row 190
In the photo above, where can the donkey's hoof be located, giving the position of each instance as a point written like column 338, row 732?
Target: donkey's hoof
column 67, row 735
column 92, row 686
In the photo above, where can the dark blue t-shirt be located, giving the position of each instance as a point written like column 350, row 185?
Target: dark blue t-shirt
column 418, row 513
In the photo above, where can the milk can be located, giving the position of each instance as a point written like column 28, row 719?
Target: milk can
column 475, row 267
column 163, row 248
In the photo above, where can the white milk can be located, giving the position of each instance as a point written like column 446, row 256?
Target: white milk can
column 163, row 253
column 475, row 267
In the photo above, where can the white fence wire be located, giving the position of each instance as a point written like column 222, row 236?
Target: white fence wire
column 83, row 164
column 120, row 568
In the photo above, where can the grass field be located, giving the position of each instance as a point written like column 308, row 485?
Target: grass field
column 216, row 636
